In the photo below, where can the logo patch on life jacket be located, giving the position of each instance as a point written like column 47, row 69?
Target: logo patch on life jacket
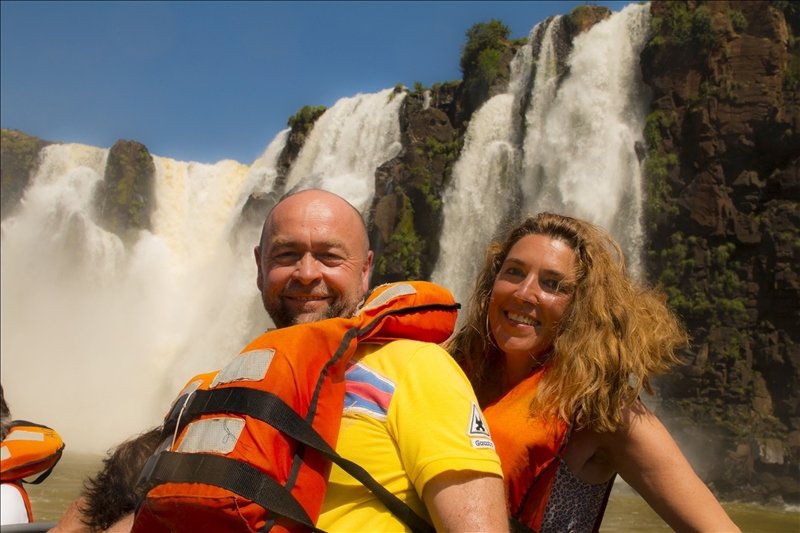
column 367, row 392
column 477, row 424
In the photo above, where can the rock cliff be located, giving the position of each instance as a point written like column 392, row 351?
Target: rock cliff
column 125, row 199
column 722, row 178
column 19, row 157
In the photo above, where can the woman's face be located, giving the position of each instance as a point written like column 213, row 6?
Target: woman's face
column 530, row 295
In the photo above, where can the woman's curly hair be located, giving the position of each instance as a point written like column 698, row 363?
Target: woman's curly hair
column 613, row 337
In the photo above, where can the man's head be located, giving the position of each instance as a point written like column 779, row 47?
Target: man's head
column 313, row 260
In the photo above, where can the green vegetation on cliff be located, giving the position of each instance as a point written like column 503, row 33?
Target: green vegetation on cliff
column 716, row 300
column 403, row 254
column 682, row 26
column 657, row 166
column 482, row 38
column 484, row 59
column 19, row 155
column 302, row 121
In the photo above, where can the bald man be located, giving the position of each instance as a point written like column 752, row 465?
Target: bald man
column 313, row 263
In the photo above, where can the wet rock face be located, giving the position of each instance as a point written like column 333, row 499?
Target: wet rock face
column 19, row 157
column 301, row 124
column 722, row 171
column 125, row 202
column 581, row 19
column 405, row 218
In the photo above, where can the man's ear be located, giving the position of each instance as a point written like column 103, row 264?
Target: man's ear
column 260, row 278
column 365, row 273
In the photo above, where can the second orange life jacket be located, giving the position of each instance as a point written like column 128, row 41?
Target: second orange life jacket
column 29, row 450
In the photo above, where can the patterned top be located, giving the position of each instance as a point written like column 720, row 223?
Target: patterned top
column 574, row 505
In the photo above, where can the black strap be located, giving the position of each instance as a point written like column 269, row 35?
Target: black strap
column 47, row 472
column 17, row 423
column 229, row 474
column 518, row 527
column 271, row 409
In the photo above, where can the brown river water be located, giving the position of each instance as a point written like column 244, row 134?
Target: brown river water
column 627, row 512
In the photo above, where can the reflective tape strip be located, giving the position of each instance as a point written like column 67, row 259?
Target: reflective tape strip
column 399, row 289
column 4, row 453
column 218, row 435
column 191, row 387
column 21, row 434
column 250, row 366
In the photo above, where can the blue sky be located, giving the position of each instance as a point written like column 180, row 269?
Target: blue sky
column 206, row 81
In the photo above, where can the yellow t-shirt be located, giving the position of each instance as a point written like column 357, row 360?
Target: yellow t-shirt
column 410, row 414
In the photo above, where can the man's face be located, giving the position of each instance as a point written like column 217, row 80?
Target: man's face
column 313, row 262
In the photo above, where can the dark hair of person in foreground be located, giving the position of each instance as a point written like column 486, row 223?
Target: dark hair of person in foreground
column 110, row 495
column 5, row 415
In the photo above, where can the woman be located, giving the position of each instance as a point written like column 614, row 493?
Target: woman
column 558, row 344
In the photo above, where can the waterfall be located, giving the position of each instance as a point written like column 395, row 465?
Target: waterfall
column 97, row 337
column 475, row 202
column 579, row 146
column 347, row 144
column 578, row 153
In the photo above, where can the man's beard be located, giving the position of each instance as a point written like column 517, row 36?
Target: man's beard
column 284, row 317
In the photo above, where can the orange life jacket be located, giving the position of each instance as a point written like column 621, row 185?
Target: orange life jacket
column 529, row 457
column 250, row 446
column 28, row 449
column 530, row 449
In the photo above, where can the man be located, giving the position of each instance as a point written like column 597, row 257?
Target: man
column 313, row 263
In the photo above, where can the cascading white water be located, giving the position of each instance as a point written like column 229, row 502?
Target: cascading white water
column 98, row 338
column 476, row 200
column 580, row 156
column 347, row 144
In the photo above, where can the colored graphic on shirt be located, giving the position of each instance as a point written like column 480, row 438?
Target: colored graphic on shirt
column 367, row 392
column 477, row 424
column 479, row 429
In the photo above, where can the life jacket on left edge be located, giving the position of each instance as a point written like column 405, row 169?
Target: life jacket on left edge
column 249, row 448
column 28, row 449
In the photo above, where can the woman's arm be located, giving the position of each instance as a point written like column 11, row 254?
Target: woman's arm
column 649, row 460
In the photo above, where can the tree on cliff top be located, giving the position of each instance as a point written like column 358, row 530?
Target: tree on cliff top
column 482, row 37
column 482, row 59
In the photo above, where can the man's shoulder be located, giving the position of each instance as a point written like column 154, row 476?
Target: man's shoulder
column 403, row 349
column 396, row 358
